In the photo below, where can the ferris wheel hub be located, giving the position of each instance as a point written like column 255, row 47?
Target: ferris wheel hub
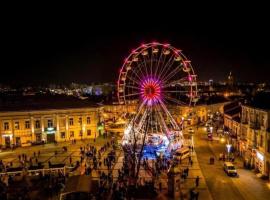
column 151, row 91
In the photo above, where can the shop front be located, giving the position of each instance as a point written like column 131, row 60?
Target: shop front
column 23, row 139
column 50, row 134
column 259, row 161
column 7, row 140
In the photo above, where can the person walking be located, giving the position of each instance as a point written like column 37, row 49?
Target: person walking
column 197, row 181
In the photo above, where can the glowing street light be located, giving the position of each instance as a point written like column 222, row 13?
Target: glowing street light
column 228, row 148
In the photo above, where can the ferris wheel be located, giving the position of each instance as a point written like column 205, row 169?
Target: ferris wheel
column 154, row 76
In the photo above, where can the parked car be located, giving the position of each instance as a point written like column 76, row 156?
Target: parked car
column 230, row 169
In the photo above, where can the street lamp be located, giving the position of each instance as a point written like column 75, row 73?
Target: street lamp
column 228, row 149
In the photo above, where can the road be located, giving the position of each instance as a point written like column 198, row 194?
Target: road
column 221, row 186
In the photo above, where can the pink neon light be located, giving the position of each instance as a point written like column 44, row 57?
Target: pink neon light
column 151, row 91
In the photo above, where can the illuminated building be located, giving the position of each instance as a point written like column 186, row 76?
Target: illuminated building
column 256, row 127
column 22, row 128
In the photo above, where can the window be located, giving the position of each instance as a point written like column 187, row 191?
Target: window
column 17, row 125
column 63, row 135
column 71, row 133
column 6, row 126
column 50, row 123
column 37, row 124
column 27, row 124
column 81, row 133
column 80, row 120
column 88, row 132
column 88, row 120
column 71, row 121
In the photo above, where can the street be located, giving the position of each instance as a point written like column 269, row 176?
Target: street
column 246, row 186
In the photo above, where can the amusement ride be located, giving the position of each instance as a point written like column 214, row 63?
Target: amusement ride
column 155, row 76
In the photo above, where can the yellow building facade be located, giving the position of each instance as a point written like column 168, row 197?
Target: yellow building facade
column 255, row 126
column 23, row 128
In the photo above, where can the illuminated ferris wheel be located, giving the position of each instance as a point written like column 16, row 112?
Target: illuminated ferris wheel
column 154, row 76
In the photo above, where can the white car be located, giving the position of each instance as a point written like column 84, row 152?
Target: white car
column 229, row 168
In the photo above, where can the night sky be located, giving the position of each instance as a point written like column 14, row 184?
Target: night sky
column 42, row 49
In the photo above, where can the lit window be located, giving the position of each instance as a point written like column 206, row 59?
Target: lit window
column 88, row 121
column 17, row 125
column 71, row 121
column 6, row 126
column 50, row 123
column 81, row 133
column 63, row 135
column 37, row 124
column 27, row 124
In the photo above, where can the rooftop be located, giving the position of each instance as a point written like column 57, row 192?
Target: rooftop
column 42, row 102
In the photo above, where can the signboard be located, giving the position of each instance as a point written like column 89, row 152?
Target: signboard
column 50, row 130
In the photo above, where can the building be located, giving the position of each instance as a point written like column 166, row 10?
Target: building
column 23, row 124
column 255, row 128
column 232, row 124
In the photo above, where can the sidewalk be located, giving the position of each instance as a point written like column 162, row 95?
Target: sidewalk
column 189, row 182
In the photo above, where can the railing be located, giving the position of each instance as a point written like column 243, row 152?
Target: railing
column 43, row 171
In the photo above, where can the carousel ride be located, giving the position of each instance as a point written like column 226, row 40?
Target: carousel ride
column 155, row 76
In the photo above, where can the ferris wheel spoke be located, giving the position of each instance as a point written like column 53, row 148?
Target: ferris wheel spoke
column 137, row 75
column 157, row 66
column 162, row 61
column 131, row 86
column 167, row 67
column 174, row 100
column 171, row 74
column 134, row 80
column 164, row 67
column 174, row 82
column 151, row 70
column 175, row 91
column 133, row 94
column 145, row 65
